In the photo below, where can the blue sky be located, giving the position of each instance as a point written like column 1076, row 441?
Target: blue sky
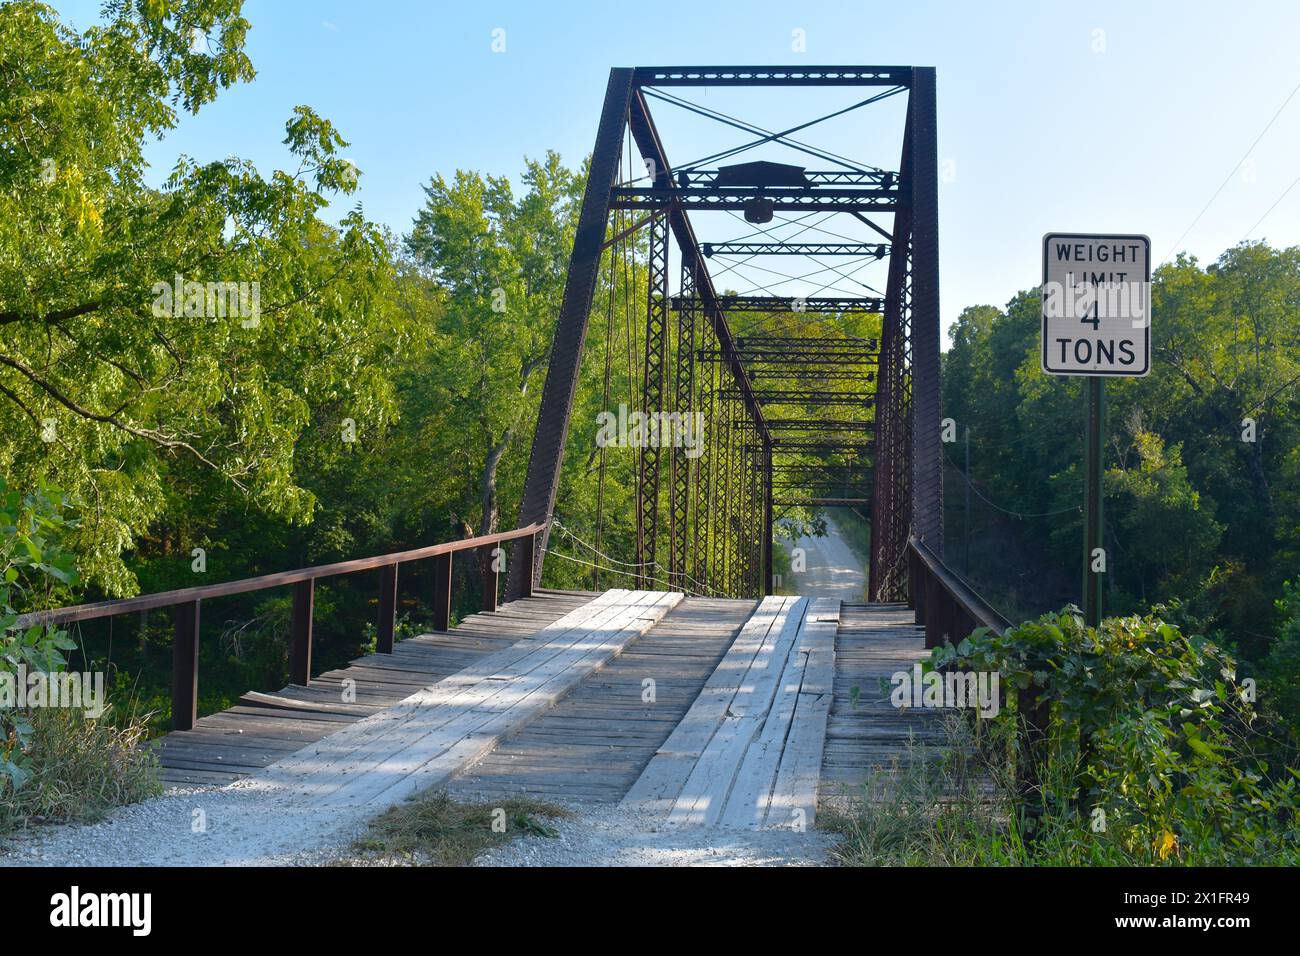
column 1100, row 116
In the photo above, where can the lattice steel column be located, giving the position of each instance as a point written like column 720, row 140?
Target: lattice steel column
column 679, row 518
column 721, row 497
column 891, row 509
column 704, row 497
column 768, row 530
column 652, row 397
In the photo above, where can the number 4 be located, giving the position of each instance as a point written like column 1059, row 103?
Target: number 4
column 1095, row 321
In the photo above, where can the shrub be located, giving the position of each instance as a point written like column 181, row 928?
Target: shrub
column 1132, row 742
column 78, row 768
column 56, row 763
column 34, row 571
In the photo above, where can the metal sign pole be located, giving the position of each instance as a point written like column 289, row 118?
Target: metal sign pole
column 1094, row 556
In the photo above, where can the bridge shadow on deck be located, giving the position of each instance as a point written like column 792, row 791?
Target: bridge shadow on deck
column 263, row 728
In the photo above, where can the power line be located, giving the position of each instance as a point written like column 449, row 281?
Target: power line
column 1232, row 172
column 1271, row 208
column 993, row 504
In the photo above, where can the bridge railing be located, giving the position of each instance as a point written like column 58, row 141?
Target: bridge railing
column 944, row 603
column 185, row 640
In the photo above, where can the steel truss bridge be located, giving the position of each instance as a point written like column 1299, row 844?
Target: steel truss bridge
column 802, row 415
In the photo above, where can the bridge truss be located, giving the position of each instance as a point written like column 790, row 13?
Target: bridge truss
column 791, row 419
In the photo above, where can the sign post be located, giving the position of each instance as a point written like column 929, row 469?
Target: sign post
column 1096, row 323
column 1093, row 547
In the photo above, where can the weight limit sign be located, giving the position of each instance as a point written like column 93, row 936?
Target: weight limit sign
column 1096, row 304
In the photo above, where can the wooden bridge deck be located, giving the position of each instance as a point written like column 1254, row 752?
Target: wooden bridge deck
column 778, row 733
column 263, row 728
column 594, row 744
column 865, row 730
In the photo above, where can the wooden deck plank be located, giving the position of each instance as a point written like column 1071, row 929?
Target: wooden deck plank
column 706, row 790
column 606, row 720
column 662, row 781
column 865, row 731
column 264, row 727
column 440, row 729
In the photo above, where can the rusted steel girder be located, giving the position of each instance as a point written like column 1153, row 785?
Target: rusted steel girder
column 547, row 454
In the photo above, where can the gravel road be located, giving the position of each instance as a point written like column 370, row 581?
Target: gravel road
column 832, row 569
column 231, row 826
column 244, row 827
column 614, row 835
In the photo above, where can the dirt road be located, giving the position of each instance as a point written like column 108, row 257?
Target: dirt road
column 832, row 569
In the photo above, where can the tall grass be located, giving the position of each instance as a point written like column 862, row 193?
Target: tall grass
column 81, row 768
column 957, row 804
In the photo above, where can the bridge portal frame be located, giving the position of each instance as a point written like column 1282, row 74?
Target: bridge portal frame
column 907, row 475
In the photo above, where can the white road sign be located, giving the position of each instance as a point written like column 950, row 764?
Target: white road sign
column 1096, row 304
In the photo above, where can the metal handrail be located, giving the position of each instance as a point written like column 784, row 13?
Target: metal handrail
column 947, row 606
column 185, row 651
column 149, row 602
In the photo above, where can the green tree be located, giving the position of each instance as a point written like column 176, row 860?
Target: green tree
column 131, row 401
column 500, row 263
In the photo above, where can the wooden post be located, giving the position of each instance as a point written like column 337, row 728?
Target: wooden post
column 914, row 585
column 304, row 594
column 489, row 578
column 387, row 609
column 185, row 666
column 441, row 591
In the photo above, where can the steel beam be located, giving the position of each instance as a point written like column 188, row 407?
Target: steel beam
column 770, row 303
column 552, row 430
column 881, row 179
column 652, row 400
column 861, row 250
column 773, row 76
column 927, row 447
column 736, row 198
column 891, row 504
column 768, row 572
column 684, row 391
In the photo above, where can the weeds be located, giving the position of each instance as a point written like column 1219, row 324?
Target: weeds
column 435, row 830
column 79, row 768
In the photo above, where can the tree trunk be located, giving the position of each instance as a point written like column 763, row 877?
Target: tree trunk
column 488, row 485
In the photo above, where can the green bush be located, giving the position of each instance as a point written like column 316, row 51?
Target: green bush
column 34, row 572
column 1279, row 671
column 56, row 763
column 1132, row 743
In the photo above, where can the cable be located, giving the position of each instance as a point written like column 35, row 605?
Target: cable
column 556, row 523
column 1271, row 208
column 1233, row 172
column 992, row 504
column 768, row 135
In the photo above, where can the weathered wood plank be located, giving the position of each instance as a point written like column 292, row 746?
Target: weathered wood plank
column 282, row 722
column 661, row 782
column 704, row 793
